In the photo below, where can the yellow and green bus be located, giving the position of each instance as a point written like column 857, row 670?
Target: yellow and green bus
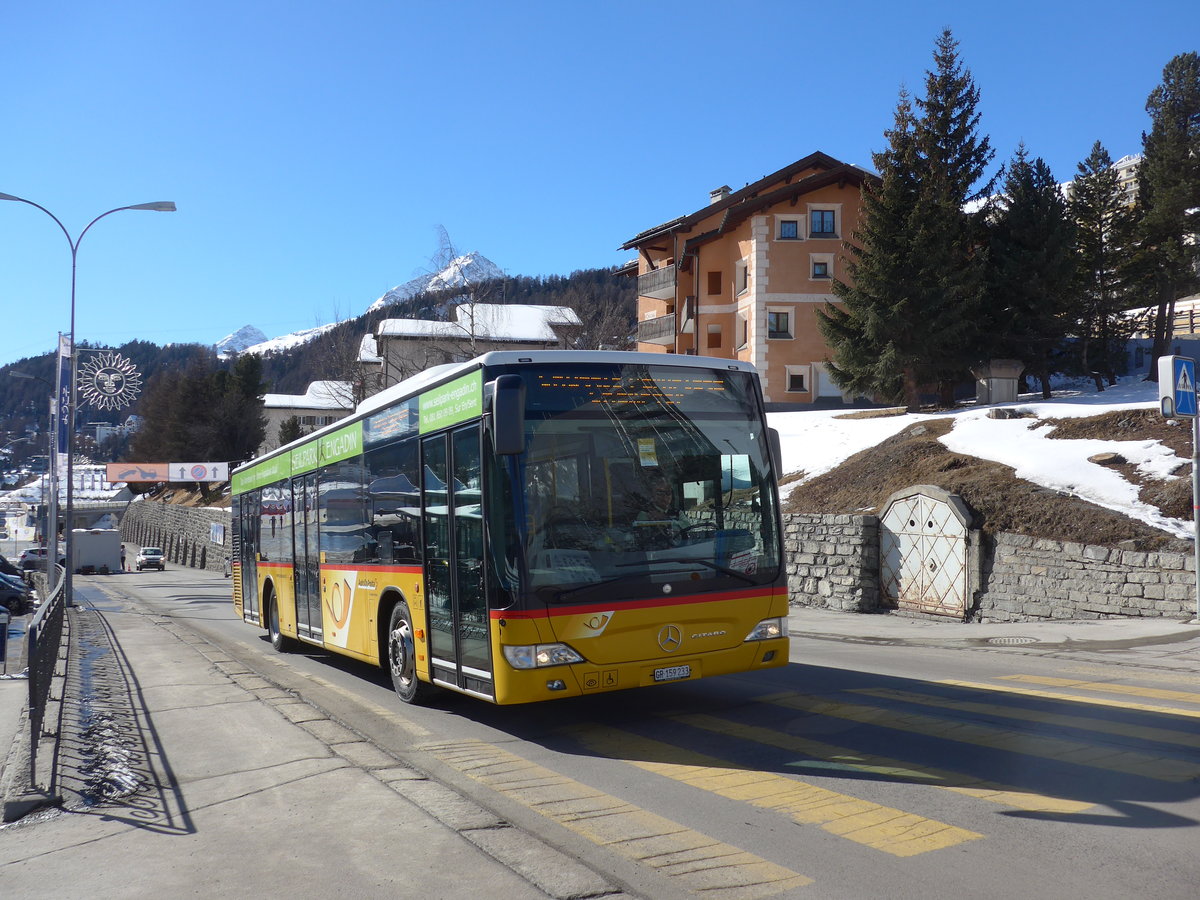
column 525, row 526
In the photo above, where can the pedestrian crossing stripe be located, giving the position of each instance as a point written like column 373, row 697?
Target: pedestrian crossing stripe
column 694, row 861
column 914, row 773
column 1081, row 723
column 1078, row 753
column 1074, row 698
column 890, row 830
column 1109, row 687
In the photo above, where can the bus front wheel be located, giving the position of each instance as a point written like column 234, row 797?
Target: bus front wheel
column 402, row 658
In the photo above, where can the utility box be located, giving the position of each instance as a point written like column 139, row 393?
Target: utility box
column 996, row 380
column 95, row 550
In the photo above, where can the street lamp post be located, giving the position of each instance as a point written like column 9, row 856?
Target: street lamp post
column 69, row 523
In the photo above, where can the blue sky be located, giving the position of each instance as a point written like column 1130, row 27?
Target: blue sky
column 313, row 149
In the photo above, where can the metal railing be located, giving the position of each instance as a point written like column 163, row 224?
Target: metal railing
column 44, row 641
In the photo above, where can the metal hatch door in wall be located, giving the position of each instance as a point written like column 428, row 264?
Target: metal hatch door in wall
column 923, row 538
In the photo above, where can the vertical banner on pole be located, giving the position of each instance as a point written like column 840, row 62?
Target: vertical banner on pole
column 63, row 386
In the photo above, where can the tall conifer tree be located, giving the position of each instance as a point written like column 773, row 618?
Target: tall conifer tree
column 1169, row 193
column 1103, row 221
column 1031, row 266
column 914, row 317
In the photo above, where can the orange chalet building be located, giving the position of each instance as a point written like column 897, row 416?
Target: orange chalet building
column 743, row 277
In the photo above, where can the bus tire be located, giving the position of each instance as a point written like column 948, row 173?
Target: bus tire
column 402, row 657
column 279, row 642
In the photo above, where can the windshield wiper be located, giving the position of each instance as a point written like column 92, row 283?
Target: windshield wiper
column 704, row 562
column 558, row 597
column 591, row 584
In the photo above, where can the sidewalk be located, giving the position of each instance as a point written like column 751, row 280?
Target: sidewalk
column 182, row 773
column 1098, row 634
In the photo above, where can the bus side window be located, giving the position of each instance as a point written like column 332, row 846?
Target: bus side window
column 394, row 502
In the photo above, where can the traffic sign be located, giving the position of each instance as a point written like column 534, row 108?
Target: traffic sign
column 1177, row 386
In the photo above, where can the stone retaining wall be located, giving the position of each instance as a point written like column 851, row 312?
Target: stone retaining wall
column 833, row 562
column 1025, row 578
column 184, row 533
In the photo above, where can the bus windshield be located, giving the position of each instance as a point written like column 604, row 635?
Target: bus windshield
column 638, row 481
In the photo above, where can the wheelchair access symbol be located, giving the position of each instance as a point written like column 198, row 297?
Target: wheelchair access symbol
column 1177, row 386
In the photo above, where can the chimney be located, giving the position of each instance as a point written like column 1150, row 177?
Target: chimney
column 718, row 194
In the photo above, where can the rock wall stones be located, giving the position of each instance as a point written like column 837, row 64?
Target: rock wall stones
column 833, row 562
column 184, row 533
column 1025, row 578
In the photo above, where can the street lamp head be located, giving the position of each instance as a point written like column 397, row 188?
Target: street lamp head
column 156, row 206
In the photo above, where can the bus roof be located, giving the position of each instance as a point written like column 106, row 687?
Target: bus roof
column 436, row 375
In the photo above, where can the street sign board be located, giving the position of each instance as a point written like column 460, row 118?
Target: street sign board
column 1177, row 386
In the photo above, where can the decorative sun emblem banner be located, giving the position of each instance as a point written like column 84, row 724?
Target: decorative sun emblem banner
column 108, row 380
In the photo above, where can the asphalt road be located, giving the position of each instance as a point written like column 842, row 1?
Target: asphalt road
column 858, row 771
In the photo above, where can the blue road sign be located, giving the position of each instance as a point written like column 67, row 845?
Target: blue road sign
column 1183, row 381
column 1177, row 386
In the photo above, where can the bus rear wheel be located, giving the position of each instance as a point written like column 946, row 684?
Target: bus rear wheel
column 281, row 643
column 402, row 657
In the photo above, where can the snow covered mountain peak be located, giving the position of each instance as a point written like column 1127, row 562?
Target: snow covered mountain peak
column 246, row 336
column 460, row 272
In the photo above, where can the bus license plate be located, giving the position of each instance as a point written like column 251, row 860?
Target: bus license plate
column 672, row 673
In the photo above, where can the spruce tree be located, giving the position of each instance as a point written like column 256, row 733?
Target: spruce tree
column 1103, row 222
column 1031, row 267
column 949, row 244
column 912, row 315
column 1169, row 194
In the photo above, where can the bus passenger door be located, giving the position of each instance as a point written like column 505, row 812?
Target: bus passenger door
column 307, row 574
column 454, row 587
column 247, row 525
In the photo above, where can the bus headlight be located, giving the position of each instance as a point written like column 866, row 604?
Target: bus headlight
column 768, row 629
column 536, row 656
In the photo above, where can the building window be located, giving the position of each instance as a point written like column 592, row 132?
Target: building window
column 822, row 223
column 743, row 277
column 743, row 330
column 789, row 230
column 714, row 337
column 714, row 283
column 797, row 378
column 778, row 324
column 820, row 269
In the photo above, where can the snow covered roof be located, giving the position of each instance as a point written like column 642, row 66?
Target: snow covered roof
column 337, row 395
column 368, row 351
column 493, row 321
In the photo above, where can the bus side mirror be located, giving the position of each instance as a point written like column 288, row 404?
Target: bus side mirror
column 776, row 452
column 508, row 415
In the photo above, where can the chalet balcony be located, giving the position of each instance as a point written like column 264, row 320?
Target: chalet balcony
column 660, row 330
column 658, row 284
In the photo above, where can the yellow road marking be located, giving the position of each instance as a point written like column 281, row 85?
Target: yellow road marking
column 1084, row 723
column 1075, row 698
column 1160, row 768
column 957, row 782
column 698, row 862
column 890, row 830
column 1108, row 687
